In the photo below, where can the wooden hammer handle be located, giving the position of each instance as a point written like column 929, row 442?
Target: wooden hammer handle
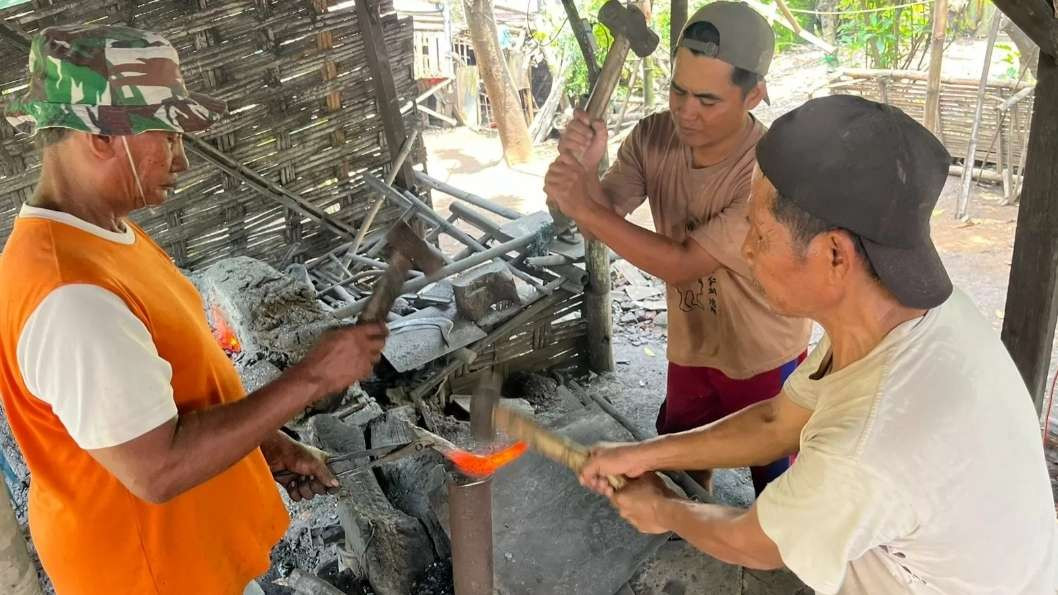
column 553, row 446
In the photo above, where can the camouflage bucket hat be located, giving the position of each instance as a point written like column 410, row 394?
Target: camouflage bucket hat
column 108, row 80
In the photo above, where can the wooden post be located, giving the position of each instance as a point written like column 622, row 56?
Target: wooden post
column 931, row 117
column 17, row 573
column 597, row 311
column 678, row 18
column 971, row 151
column 1032, row 294
column 370, row 24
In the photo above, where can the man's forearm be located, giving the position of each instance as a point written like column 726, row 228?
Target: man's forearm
column 749, row 437
column 206, row 442
column 661, row 256
column 723, row 532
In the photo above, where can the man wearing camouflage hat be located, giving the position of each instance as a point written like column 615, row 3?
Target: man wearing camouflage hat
column 920, row 465
column 150, row 470
column 726, row 348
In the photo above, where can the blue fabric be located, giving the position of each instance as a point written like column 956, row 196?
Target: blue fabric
column 763, row 475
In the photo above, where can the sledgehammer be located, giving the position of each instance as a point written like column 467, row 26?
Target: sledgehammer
column 628, row 25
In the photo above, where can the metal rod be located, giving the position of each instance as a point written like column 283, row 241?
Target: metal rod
column 465, row 196
column 474, row 218
column 398, row 163
column 455, row 268
column 423, row 210
column 470, row 519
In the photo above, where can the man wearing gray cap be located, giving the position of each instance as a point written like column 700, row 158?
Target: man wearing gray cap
column 920, row 465
column 726, row 348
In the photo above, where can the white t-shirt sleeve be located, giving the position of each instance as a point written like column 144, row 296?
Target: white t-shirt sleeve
column 826, row 511
column 87, row 355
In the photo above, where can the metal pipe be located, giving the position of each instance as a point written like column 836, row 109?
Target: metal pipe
column 397, row 164
column 453, row 269
column 470, row 519
column 465, row 196
column 474, row 218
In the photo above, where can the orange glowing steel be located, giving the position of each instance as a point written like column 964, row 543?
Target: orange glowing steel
column 223, row 332
column 476, row 465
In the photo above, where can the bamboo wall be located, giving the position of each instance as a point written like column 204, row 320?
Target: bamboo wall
column 302, row 112
column 958, row 101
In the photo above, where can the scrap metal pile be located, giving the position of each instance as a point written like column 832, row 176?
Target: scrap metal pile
column 509, row 273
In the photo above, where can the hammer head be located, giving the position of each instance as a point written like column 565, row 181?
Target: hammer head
column 402, row 238
column 630, row 23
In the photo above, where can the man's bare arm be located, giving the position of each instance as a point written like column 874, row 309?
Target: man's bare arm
column 756, row 435
column 671, row 261
column 194, row 447
column 731, row 535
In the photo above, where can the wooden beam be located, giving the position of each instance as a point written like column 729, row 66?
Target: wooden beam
column 1032, row 294
column 370, row 23
column 1037, row 18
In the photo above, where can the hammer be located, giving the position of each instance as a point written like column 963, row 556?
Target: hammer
column 408, row 249
column 558, row 448
column 629, row 27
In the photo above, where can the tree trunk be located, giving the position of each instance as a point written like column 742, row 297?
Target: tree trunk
column 936, row 60
column 829, row 22
column 506, row 109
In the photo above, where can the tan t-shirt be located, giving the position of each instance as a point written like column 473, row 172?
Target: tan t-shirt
column 721, row 321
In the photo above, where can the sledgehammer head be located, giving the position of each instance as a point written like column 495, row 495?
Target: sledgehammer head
column 630, row 23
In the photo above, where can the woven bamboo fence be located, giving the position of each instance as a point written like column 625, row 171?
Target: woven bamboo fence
column 958, row 100
column 303, row 114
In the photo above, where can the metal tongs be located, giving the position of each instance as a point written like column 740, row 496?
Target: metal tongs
column 384, row 454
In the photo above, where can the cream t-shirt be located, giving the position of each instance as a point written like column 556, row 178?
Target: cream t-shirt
column 721, row 321
column 921, row 469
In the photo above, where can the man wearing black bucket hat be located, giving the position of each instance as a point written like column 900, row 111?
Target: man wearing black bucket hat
column 920, row 465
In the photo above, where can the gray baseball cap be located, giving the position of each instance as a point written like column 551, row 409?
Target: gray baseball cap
column 744, row 37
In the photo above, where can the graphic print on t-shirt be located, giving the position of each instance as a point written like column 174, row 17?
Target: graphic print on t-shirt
column 703, row 295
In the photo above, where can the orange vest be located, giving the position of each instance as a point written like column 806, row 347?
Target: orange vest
column 92, row 534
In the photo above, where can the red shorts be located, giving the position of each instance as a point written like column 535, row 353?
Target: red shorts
column 697, row 396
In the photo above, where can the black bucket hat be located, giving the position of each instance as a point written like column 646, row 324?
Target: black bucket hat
column 873, row 170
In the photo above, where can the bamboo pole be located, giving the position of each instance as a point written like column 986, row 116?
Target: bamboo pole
column 967, row 175
column 931, row 117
